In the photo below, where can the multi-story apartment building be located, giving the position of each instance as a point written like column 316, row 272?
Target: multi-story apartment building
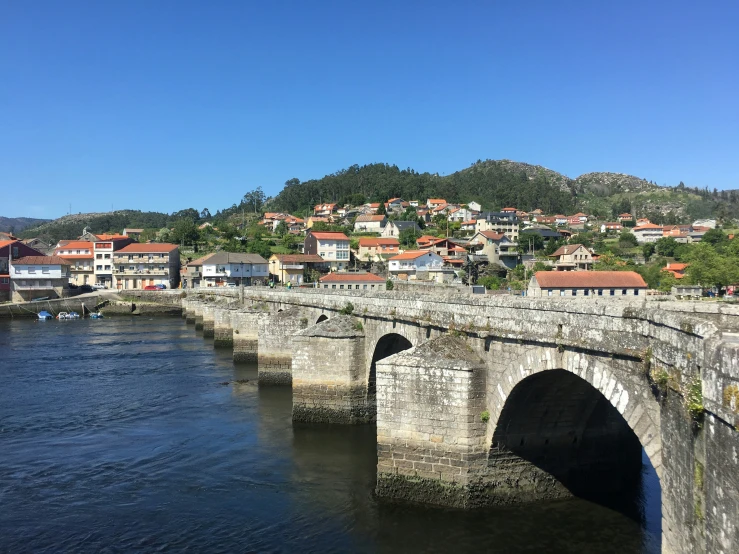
column 103, row 249
column 375, row 250
column 38, row 277
column 499, row 222
column 80, row 255
column 498, row 248
column 333, row 248
column 225, row 268
column 139, row 265
column 291, row 268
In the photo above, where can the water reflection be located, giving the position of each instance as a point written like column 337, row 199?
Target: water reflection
column 135, row 435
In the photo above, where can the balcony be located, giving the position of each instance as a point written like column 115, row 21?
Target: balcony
column 293, row 266
column 142, row 272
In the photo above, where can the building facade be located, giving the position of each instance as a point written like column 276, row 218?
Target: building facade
column 11, row 249
column 140, row 265
column 375, row 250
column 597, row 284
column 572, row 257
column 332, row 247
column 80, row 255
column 291, row 268
column 497, row 247
column 103, row 249
column 34, row 277
column 499, row 222
column 416, row 264
column 233, row 268
column 369, row 223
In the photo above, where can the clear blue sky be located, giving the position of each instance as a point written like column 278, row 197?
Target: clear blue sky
column 163, row 105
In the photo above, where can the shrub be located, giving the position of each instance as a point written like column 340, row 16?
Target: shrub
column 389, row 284
column 348, row 309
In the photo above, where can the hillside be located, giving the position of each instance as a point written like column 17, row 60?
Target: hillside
column 500, row 183
column 17, row 224
column 71, row 226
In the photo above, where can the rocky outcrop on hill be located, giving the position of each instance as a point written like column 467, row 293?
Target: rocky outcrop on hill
column 607, row 184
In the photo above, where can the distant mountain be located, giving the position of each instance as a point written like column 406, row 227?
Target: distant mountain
column 17, row 224
column 71, row 226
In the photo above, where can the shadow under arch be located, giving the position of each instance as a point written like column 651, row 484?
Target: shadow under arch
column 322, row 317
column 558, row 436
column 389, row 344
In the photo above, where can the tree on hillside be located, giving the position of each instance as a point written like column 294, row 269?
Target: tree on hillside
column 205, row 214
column 407, row 238
column 185, row 232
column 254, row 199
column 714, row 237
column 381, row 210
column 666, row 246
column 281, row 230
column 708, row 268
column 627, row 239
column 647, row 250
column 527, row 240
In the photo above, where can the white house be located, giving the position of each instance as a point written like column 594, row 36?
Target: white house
column 648, row 232
column 38, row 277
column 224, row 268
column 394, row 228
column 474, row 206
column 411, row 263
column 460, row 215
column 369, row 223
column 498, row 248
column 333, row 247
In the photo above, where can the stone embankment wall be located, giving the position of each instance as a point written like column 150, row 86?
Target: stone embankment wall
column 31, row 309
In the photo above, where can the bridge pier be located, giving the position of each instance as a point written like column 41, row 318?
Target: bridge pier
column 222, row 329
column 190, row 312
column 209, row 321
column 198, row 309
column 430, row 435
column 245, row 333
column 328, row 373
column 275, row 345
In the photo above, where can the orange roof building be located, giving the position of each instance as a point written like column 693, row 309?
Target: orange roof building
column 586, row 283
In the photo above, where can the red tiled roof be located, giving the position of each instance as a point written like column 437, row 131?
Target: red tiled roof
column 675, row 267
column 138, row 247
column 330, row 235
column 436, row 201
column 111, row 237
column 4, row 243
column 40, row 260
column 589, row 279
column 508, row 210
column 470, row 222
column 411, row 255
column 364, row 218
column 647, row 226
column 75, row 245
column 292, row 258
column 351, row 277
column 368, row 242
column 492, row 235
column 567, row 249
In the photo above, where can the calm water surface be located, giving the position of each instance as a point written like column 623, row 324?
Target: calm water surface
column 125, row 435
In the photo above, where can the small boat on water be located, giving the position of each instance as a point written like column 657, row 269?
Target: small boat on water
column 96, row 315
column 68, row 315
column 43, row 315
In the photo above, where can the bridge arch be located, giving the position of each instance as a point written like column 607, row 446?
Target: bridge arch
column 322, row 317
column 387, row 345
column 570, row 423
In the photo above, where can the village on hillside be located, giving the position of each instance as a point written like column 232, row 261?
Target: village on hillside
column 375, row 245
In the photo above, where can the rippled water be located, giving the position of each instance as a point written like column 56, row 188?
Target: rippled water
column 125, row 435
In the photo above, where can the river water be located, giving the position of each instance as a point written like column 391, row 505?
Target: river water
column 135, row 435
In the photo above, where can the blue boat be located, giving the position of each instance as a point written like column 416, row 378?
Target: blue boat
column 96, row 315
column 44, row 315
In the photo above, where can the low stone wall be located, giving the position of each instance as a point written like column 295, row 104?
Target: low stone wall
column 328, row 377
column 140, row 308
column 31, row 309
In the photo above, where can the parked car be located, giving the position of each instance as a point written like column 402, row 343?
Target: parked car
column 86, row 288
column 151, row 287
column 99, row 286
column 231, row 285
column 161, row 286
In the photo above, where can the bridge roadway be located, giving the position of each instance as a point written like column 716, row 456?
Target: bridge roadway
column 497, row 400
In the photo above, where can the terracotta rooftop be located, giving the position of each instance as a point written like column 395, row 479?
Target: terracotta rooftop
column 368, row 242
column 589, row 279
column 364, row 218
column 351, row 277
column 40, row 260
column 567, row 249
column 156, row 247
column 411, row 255
column 296, row 258
column 330, row 235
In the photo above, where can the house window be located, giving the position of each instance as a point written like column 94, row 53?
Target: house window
column 549, row 293
column 46, row 270
column 4, row 281
column 613, row 292
column 99, row 268
column 342, row 286
column 107, row 256
column 31, row 269
column 636, row 292
column 98, row 256
column 562, row 292
column 357, row 287
column 333, row 286
column 623, row 292
column 574, row 292
column 131, row 267
column 130, row 258
column 600, row 292
column 364, row 287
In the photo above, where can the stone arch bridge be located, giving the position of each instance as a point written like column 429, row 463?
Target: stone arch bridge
column 498, row 400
